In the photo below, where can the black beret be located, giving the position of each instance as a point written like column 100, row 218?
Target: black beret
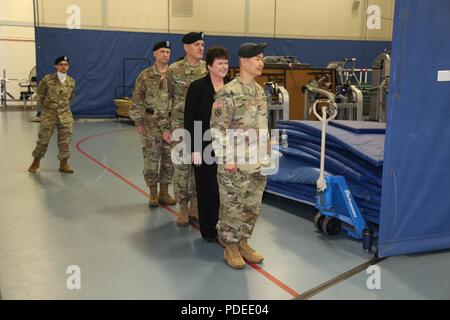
column 63, row 58
column 250, row 49
column 192, row 37
column 162, row 44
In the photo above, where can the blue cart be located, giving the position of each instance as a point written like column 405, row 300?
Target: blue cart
column 337, row 208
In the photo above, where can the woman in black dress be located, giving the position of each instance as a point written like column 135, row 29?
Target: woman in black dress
column 197, row 114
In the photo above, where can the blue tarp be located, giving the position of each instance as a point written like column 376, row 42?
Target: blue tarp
column 415, row 214
column 97, row 58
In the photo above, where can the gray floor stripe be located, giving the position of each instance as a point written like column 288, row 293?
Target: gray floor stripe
column 331, row 283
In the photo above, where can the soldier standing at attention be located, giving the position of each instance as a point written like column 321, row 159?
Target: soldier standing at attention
column 150, row 111
column 55, row 93
column 182, row 73
column 241, row 107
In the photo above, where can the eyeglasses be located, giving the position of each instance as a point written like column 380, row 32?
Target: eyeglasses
column 63, row 64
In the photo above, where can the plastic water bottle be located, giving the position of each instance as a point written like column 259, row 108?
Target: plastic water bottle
column 284, row 139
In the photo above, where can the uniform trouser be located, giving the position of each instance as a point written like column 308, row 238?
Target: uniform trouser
column 183, row 175
column 240, row 203
column 208, row 198
column 184, row 182
column 64, row 131
column 158, row 165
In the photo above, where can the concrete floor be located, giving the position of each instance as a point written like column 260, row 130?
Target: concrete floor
column 98, row 219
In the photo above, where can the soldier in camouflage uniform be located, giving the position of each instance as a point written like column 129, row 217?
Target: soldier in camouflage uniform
column 241, row 108
column 150, row 111
column 55, row 93
column 182, row 73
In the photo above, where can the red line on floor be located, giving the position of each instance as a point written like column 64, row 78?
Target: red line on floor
column 172, row 211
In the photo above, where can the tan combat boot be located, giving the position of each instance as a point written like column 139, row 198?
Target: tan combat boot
column 65, row 167
column 232, row 256
column 35, row 165
column 164, row 197
column 248, row 253
column 153, row 201
column 183, row 215
column 193, row 209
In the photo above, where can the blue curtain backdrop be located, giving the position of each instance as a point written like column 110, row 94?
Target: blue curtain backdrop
column 97, row 58
column 415, row 214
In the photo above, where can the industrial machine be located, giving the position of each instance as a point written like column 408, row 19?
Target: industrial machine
column 277, row 103
column 289, row 61
column 381, row 70
column 25, row 96
column 348, row 89
column 337, row 207
column 32, row 79
column 361, row 94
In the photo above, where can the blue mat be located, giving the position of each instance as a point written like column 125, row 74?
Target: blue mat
column 333, row 167
column 369, row 147
column 293, row 170
column 354, row 151
column 342, row 159
column 373, row 173
column 293, row 132
column 360, row 126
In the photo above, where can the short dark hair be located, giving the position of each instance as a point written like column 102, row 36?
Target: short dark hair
column 216, row 52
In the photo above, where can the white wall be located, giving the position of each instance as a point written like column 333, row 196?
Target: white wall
column 331, row 19
column 17, row 47
column 53, row 13
column 213, row 17
column 387, row 20
column 306, row 19
column 152, row 18
column 314, row 19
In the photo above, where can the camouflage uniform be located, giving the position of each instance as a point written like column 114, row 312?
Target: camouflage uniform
column 237, row 106
column 55, row 98
column 151, row 93
column 181, row 76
